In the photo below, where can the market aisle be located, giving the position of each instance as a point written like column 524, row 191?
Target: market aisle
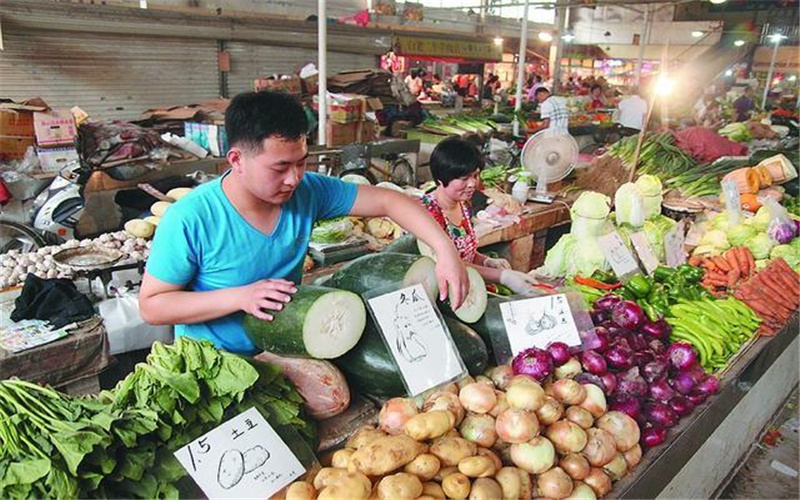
column 771, row 471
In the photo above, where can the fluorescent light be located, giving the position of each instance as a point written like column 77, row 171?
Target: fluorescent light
column 777, row 37
column 729, row 72
column 697, row 34
column 739, row 43
column 568, row 37
column 792, row 78
column 545, row 36
column 717, row 2
column 664, row 86
column 498, row 40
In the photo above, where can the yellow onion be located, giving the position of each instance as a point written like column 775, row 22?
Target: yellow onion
column 536, row 456
column 598, row 481
column 527, row 396
column 617, row 467
column 447, row 401
column 624, row 429
column 575, row 465
column 633, row 456
column 554, row 483
column 567, row 436
column 394, row 415
column 516, row 426
column 580, row 416
column 501, row 405
column 600, row 448
column 581, row 491
column 568, row 392
column 479, row 429
column 570, row 369
column 595, row 401
column 477, row 397
column 550, row 412
column 501, row 376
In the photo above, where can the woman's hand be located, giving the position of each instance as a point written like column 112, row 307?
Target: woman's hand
column 496, row 263
column 518, row 282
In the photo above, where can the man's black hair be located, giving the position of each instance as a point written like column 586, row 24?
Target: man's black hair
column 454, row 158
column 596, row 86
column 542, row 90
column 252, row 117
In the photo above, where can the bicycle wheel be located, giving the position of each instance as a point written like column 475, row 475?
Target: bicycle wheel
column 16, row 236
column 402, row 172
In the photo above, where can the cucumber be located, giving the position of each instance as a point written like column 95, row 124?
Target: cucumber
column 370, row 368
column 491, row 325
column 474, row 305
column 319, row 322
column 405, row 244
column 380, row 270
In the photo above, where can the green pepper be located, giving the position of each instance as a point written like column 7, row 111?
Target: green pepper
column 639, row 286
column 690, row 273
column 606, row 277
column 625, row 293
column 661, row 304
column 651, row 312
column 663, row 273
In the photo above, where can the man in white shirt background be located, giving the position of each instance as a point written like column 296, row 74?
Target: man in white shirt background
column 631, row 113
column 553, row 111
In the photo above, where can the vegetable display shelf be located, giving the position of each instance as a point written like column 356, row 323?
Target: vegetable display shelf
column 704, row 450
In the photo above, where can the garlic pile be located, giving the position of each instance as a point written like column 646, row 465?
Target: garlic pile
column 15, row 266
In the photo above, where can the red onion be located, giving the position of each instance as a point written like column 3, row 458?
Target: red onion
column 657, row 346
column 655, row 369
column 594, row 363
column 628, row 315
column 559, row 351
column 628, row 406
column 681, row 406
column 638, row 342
column 697, row 397
column 709, row 385
column 641, row 358
column 661, row 391
column 609, row 383
column 661, row 414
column 601, row 340
column 682, row 356
column 632, row 384
column 619, row 357
column 656, row 329
column 684, row 383
column 607, row 302
column 533, row 362
column 597, row 316
column 654, row 436
column 589, row 378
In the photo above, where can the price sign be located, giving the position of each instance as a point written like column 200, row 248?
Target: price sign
column 617, row 254
column 674, row 242
column 417, row 339
column 538, row 322
column 644, row 251
column 241, row 458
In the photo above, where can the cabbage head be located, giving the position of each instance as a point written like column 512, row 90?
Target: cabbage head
column 740, row 233
column 760, row 245
column 720, row 221
column 587, row 258
column 761, row 220
column 650, row 188
column 629, row 205
column 787, row 253
column 591, row 205
column 716, row 238
column 559, row 257
column 656, row 239
column 332, row 230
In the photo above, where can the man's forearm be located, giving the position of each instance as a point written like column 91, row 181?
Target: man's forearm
column 183, row 308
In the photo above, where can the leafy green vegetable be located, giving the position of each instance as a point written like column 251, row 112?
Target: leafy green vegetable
column 740, row 233
column 591, row 205
column 760, row 245
column 715, row 238
column 789, row 253
column 629, row 205
column 332, row 230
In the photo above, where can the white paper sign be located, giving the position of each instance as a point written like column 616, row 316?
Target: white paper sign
column 538, row 322
column 644, row 251
column 674, row 242
column 618, row 255
column 241, row 458
column 416, row 338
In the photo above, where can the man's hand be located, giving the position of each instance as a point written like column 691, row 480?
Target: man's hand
column 452, row 277
column 496, row 263
column 518, row 282
column 265, row 295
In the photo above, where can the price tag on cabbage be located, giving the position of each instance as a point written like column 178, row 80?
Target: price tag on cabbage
column 417, row 338
column 617, row 254
column 674, row 242
column 644, row 251
column 538, row 322
column 241, row 458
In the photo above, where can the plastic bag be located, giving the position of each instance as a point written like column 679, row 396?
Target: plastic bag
column 781, row 228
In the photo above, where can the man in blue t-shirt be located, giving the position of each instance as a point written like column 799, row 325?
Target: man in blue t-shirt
column 236, row 245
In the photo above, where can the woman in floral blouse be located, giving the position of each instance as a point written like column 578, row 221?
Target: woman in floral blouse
column 455, row 166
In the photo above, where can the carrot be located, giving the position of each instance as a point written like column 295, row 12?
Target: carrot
column 715, row 275
column 730, row 257
column 786, row 274
column 740, row 257
column 777, row 274
column 695, row 260
column 733, row 277
column 722, row 264
column 751, row 262
column 766, row 331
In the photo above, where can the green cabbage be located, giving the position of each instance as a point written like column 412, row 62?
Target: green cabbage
column 740, row 233
column 587, row 257
column 583, row 227
column 558, row 258
column 332, row 230
column 721, row 222
column 655, row 236
column 716, row 238
column 650, row 188
column 736, row 132
column 629, row 205
column 761, row 220
column 760, row 245
column 591, row 205
column 664, row 223
column 788, row 253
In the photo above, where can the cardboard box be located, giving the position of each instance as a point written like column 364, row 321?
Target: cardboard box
column 54, row 159
column 16, row 123
column 14, row 148
column 212, row 138
column 341, row 134
column 55, row 128
column 344, row 108
column 291, row 85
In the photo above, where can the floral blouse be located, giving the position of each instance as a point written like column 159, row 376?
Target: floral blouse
column 463, row 235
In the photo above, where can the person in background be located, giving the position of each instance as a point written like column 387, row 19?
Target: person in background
column 491, row 86
column 414, row 82
column 455, row 166
column 631, row 113
column 553, row 111
column 537, row 84
column 744, row 105
column 236, row 245
column 598, row 101
column 713, row 116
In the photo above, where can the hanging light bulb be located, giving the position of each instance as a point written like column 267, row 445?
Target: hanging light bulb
column 739, row 43
column 498, row 40
column 545, row 36
column 697, row 34
column 717, row 2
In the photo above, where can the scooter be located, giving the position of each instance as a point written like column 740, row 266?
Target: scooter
column 57, row 209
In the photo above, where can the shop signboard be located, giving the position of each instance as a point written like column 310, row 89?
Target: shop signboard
column 446, row 48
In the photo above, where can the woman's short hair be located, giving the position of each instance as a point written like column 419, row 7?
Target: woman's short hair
column 454, row 158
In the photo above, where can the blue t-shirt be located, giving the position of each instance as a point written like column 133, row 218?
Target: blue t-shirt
column 204, row 243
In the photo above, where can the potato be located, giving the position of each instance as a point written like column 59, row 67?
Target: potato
column 327, row 476
column 427, row 497
column 510, row 482
column 451, row 450
column 444, row 472
column 485, row 489
column 425, row 466
column 152, row 219
column 400, row 486
column 433, row 490
column 178, row 193
column 457, row 486
column 350, row 485
column 485, row 452
column 430, row 425
column 364, row 436
column 341, row 458
column 300, row 490
column 139, row 228
column 385, row 454
column 159, row 208
column 477, row 467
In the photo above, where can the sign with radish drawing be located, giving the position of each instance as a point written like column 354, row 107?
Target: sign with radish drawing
column 538, row 322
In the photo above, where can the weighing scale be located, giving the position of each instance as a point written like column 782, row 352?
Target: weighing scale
column 549, row 156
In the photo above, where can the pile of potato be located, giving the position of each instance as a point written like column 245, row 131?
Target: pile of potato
column 145, row 228
column 504, row 437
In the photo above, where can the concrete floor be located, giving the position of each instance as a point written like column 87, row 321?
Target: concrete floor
column 771, row 470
